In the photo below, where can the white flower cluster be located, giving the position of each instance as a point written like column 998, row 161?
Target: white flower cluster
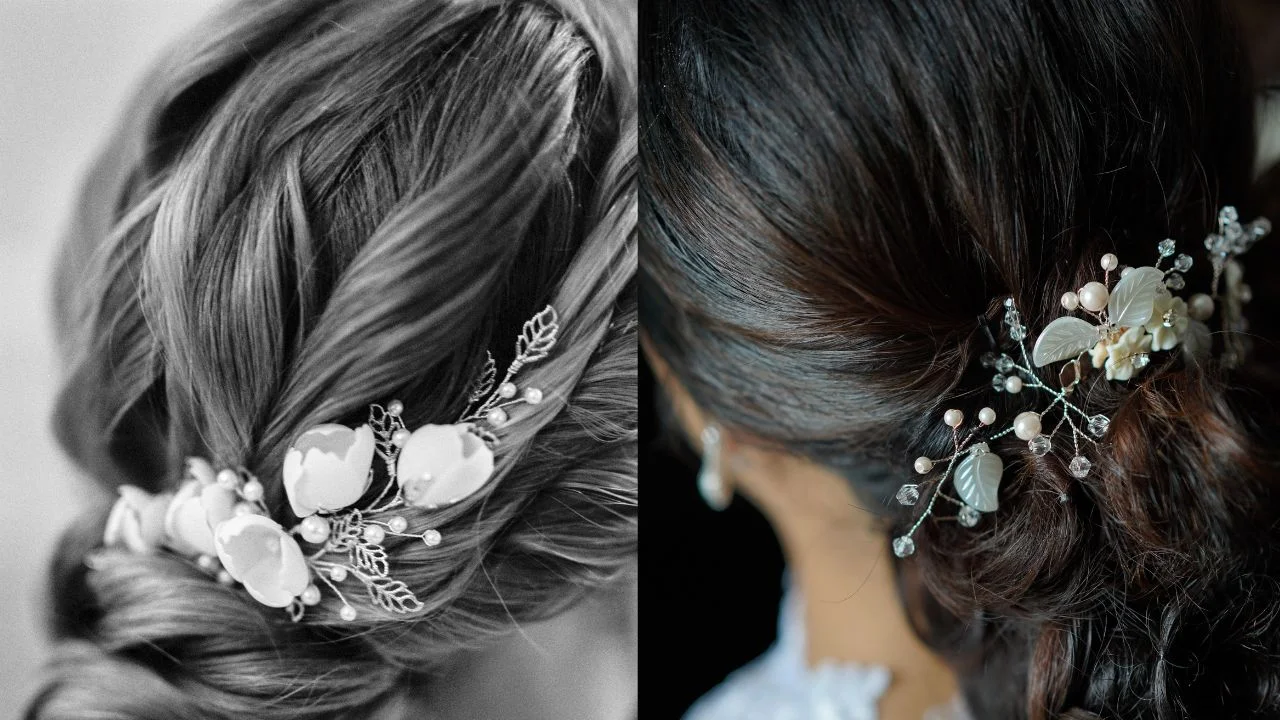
column 1124, row 351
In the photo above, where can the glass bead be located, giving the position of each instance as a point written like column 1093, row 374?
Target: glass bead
column 1175, row 281
column 1098, row 425
column 1018, row 333
column 1012, row 317
column 997, row 383
column 1183, row 262
column 968, row 516
column 1040, row 445
column 1228, row 214
column 908, row 494
column 904, row 546
column 1167, row 247
column 1079, row 466
column 1008, row 302
column 1004, row 364
column 1141, row 360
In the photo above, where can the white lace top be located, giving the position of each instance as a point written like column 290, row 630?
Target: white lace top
column 779, row 685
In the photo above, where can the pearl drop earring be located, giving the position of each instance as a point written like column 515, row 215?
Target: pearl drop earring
column 715, row 492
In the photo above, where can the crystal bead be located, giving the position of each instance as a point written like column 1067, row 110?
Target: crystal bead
column 1040, row 445
column 1182, row 263
column 1008, row 302
column 1141, row 360
column 1079, row 466
column 1228, row 214
column 1018, row 333
column 1012, row 317
column 1166, row 247
column 968, row 516
column 1175, row 281
column 908, row 494
column 1004, row 364
column 988, row 359
column 1098, row 425
column 904, row 546
column 997, row 383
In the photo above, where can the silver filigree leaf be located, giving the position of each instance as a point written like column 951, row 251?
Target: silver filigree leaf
column 345, row 529
column 296, row 609
column 1134, row 297
column 483, row 384
column 393, row 596
column 1063, row 338
column 370, row 557
column 977, row 478
column 538, row 336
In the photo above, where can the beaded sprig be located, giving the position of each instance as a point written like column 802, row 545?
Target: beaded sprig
column 1130, row 320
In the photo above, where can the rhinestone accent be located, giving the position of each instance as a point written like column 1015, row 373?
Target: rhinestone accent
column 1080, row 466
column 1040, row 445
column 1167, row 247
column 904, row 546
column 1098, row 425
column 908, row 494
column 1183, row 262
column 968, row 516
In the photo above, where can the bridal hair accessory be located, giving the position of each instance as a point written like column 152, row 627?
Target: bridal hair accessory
column 712, row 487
column 219, row 519
column 1122, row 325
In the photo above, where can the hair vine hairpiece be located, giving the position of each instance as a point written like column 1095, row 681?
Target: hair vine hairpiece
column 219, row 518
column 1128, row 321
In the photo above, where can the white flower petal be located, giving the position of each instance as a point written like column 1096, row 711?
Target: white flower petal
column 328, row 468
column 458, row 463
column 260, row 555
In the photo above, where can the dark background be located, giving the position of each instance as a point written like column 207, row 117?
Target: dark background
column 712, row 581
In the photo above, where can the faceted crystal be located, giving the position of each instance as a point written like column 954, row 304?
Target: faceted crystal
column 988, row 359
column 1166, row 247
column 1098, row 425
column 1004, row 364
column 1018, row 333
column 968, row 516
column 1182, row 263
column 997, row 383
column 1228, row 214
column 1079, row 466
column 1141, row 360
column 1175, row 281
column 904, row 546
column 1012, row 317
column 908, row 494
column 1040, row 445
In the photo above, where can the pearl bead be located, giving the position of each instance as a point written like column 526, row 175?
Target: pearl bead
column 923, row 465
column 1094, row 296
column 1110, row 262
column 1013, row 384
column 311, row 595
column 507, row 390
column 400, row 437
column 1246, row 293
column 245, row 508
column 398, row 524
column 315, row 529
column 229, row 479
column 374, row 534
column 225, row 578
column 431, row 538
column 1026, row 425
column 533, row 396
column 1200, row 307
column 395, row 407
column 338, row 573
column 1070, row 301
column 1125, row 272
column 497, row 416
column 953, row 418
column 986, row 415
column 347, row 613
column 207, row 562
column 252, row 491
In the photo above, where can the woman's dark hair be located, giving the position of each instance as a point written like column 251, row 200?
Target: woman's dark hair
column 835, row 192
column 311, row 206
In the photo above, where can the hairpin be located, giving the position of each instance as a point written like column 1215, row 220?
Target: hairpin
column 219, row 518
column 1121, row 326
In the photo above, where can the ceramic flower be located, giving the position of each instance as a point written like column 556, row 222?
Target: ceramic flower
column 260, row 555
column 442, row 464
column 136, row 520
column 1119, row 353
column 1167, row 338
column 328, row 468
column 193, row 514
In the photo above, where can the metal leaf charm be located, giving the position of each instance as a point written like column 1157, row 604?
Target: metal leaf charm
column 1064, row 338
column 977, row 478
column 1134, row 297
column 393, row 596
column 370, row 558
column 538, row 336
column 483, row 384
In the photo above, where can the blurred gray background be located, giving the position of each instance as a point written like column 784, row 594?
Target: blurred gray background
column 65, row 70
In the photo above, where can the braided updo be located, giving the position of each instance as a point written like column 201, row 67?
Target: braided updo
column 311, row 206
column 838, row 196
